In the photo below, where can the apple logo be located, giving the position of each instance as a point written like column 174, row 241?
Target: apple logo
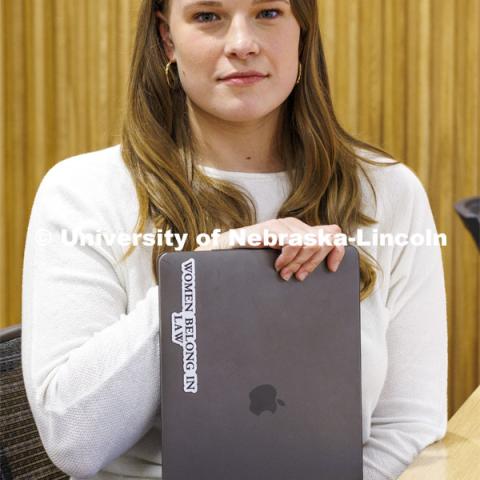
column 263, row 398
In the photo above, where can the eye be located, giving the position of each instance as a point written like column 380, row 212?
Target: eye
column 272, row 10
column 200, row 15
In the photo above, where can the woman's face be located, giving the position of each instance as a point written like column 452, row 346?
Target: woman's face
column 216, row 39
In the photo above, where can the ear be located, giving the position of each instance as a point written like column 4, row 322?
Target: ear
column 164, row 31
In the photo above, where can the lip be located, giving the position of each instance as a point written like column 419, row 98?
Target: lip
column 246, row 73
column 246, row 80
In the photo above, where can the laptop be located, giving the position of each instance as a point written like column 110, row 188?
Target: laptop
column 260, row 378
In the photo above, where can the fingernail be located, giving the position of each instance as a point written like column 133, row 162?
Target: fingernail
column 286, row 275
column 302, row 276
column 335, row 266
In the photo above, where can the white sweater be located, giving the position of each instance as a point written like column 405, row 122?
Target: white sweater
column 90, row 334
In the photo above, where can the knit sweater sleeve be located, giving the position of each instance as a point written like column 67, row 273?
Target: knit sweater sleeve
column 412, row 409
column 91, row 369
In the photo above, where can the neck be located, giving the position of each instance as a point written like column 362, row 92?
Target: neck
column 236, row 146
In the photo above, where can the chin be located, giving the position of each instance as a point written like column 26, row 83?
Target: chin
column 243, row 113
column 240, row 117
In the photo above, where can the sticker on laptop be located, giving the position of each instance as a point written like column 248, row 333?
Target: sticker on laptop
column 184, row 329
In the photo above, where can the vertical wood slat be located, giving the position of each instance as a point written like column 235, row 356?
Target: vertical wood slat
column 112, row 77
column 442, row 104
column 126, row 23
column 39, row 95
column 3, row 149
column 80, row 69
column 417, row 113
column 346, row 62
column 63, row 131
column 326, row 14
column 404, row 75
column 15, row 151
column 102, row 65
column 92, row 72
column 393, row 73
column 370, row 71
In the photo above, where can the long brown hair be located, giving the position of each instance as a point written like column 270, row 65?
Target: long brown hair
column 320, row 156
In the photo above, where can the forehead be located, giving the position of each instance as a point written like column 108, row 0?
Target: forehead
column 219, row 3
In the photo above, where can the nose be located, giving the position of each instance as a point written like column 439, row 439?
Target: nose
column 240, row 40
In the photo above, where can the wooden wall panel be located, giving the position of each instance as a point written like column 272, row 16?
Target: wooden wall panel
column 404, row 75
column 63, row 81
column 15, row 153
column 414, row 73
column 464, row 64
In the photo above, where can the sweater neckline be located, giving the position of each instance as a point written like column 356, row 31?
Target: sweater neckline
column 246, row 175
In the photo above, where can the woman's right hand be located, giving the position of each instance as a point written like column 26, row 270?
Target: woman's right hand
column 294, row 259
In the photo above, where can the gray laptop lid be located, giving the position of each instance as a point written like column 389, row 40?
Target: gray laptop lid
column 260, row 378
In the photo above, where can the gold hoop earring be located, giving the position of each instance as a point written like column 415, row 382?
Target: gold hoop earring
column 167, row 71
column 299, row 73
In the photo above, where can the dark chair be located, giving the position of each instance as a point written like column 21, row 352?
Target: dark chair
column 21, row 451
column 469, row 211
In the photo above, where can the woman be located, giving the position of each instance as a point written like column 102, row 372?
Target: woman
column 200, row 152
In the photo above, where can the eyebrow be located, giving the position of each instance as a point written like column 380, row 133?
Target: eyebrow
column 214, row 3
